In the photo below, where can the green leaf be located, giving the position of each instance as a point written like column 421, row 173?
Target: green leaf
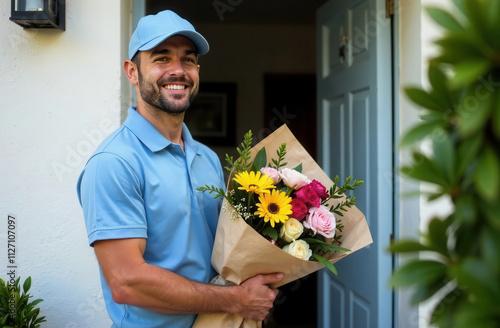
column 490, row 246
column 458, row 48
column 468, row 151
column 460, row 5
column 298, row 168
column 473, row 112
column 445, row 19
column 444, row 313
column 418, row 273
column 424, row 169
column 260, row 159
column 473, row 275
column 487, row 175
column 436, row 195
column 496, row 115
column 321, row 245
column 491, row 212
column 424, row 99
column 444, row 156
column 465, row 240
column 474, row 315
column 465, row 211
column 435, row 117
column 424, row 292
column 494, row 24
column 408, row 246
column 271, row 232
column 437, row 236
column 35, row 302
column 468, row 71
column 439, row 83
column 419, row 132
column 4, row 319
column 326, row 263
column 476, row 12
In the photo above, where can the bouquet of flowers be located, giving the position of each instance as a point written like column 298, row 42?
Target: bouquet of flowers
column 278, row 216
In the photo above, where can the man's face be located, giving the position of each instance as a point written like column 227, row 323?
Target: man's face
column 169, row 75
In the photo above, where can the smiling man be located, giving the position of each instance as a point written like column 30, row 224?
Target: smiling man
column 151, row 230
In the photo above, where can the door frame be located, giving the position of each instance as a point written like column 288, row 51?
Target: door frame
column 407, row 64
column 384, row 180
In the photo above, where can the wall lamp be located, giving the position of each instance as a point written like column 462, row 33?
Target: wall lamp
column 39, row 13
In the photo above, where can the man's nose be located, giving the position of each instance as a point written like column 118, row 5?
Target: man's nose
column 176, row 68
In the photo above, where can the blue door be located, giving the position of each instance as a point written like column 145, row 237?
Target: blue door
column 355, row 113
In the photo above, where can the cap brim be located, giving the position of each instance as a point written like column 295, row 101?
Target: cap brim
column 199, row 41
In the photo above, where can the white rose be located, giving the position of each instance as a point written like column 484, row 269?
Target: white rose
column 299, row 249
column 293, row 179
column 291, row 230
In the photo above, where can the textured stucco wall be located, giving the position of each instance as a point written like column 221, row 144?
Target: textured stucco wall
column 60, row 95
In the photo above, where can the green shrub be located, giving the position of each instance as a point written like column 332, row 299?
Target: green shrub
column 461, row 119
column 16, row 309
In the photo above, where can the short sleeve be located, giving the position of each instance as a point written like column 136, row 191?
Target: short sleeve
column 110, row 193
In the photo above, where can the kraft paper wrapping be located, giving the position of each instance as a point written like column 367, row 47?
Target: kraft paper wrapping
column 240, row 252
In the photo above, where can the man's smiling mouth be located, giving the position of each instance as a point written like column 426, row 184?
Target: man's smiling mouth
column 175, row 86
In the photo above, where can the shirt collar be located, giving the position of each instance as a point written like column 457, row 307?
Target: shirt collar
column 150, row 137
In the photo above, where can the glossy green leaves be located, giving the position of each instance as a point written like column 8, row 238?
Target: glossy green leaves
column 461, row 129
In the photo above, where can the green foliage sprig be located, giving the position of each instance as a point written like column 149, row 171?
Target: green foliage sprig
column 280, row 162
column 16, row 309
column 461, row 118
column 337, row 192
column 242, row 163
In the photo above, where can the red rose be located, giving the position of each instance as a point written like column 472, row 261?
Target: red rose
column 308, row 196
column 319, row 189
column 299, row 209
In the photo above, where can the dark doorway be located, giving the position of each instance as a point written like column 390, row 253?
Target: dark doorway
column 291, row 99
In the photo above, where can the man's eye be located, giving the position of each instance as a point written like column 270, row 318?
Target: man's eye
column 161, row 59
column 190, row 60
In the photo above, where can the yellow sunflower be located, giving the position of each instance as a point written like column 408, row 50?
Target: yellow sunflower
column 274, row 207
column 254, row 182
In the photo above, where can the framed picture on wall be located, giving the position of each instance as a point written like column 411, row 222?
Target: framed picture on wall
column 211, row 116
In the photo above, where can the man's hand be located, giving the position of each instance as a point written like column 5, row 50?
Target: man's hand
column 257, row 296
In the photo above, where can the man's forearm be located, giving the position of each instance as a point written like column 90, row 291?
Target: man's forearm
column 133, row 281
column 160, row 290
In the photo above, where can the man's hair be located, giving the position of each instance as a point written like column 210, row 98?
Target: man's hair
column 136, row 59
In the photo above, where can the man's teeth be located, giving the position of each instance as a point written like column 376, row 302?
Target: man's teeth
column 175, row 87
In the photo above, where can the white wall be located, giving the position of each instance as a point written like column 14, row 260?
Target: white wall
column 60, row 95
column 417, row 33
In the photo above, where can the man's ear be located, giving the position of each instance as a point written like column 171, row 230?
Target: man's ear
column 132, row 71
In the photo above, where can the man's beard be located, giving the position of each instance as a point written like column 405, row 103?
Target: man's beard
column 157, row 99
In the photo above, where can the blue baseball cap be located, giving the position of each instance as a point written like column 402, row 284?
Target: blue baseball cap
column 154, row 29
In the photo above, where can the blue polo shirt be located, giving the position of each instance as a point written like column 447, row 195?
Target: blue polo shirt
column 140, row 185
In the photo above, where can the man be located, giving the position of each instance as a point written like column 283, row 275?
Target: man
column 151, row 230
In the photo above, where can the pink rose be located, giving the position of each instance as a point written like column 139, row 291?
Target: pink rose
column 299, row 209
column 321, row 220
column 308, row 196
column 293, row 179
column 319, row 189
column 272, row 173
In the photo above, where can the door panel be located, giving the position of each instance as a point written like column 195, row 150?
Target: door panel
column 355, row 139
